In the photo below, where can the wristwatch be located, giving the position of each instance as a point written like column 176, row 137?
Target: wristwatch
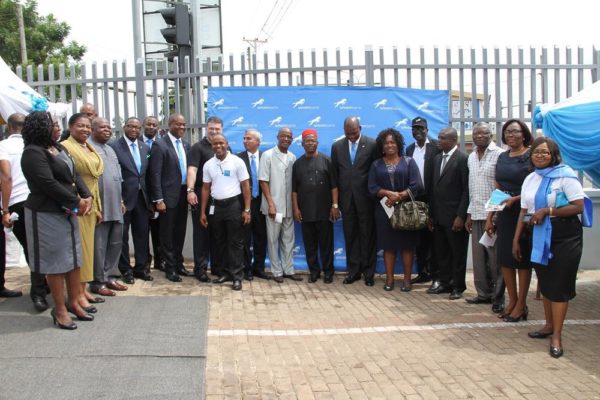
column 246, row 210
column 5, row 212
column 334, row 205
column 190, row 190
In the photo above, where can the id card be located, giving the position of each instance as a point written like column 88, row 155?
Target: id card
column 211, row 210
column 227, row 172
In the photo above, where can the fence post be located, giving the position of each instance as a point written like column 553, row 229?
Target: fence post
column 140, row 88
column 369, row 70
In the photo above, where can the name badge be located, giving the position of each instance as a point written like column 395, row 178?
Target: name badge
column 211, row 210
column 227, row 172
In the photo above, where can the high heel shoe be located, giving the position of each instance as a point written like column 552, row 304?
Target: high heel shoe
column 90, row 309
column 556, row 352
column 84, row 317
column 69, row 327
column 389, row 287
column 523, row 316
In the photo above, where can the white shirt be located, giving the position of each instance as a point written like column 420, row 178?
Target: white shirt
column 571, row 187
column 449, row 154
column 419, row 157
column 225, row 176
column 11, row 149
column 174, row 142
column 137, row 147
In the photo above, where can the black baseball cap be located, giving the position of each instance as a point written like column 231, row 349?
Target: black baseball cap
column 419, row 121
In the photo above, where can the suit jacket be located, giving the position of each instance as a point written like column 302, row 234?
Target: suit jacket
column 431, row 150
column 133, row 181
column 51, row 182
column 164, row 172
column 353, row 178
column 450, row 189
column 244, row 156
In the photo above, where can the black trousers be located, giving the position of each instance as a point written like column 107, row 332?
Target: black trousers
column 201, row 244
column 226, row 225
column 318, row 240
column 172, row 233
column 426, row 262
column 359, row 236
column 154, row 225
column 138, row 220
column 38, row 281
column 451, row 255
column 255, row 248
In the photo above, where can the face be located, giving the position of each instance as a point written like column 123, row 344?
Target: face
column 81, row 129
column 55, row 130
column 101, row 131
column 541, row 156
column 133, row 127
column 513, row 136
column 310, row 143
column 177, row 126
column 284, row 139
column 219, row 146
column 390, row 147
column 89, row 111
column 150, row 127
column 213, row 129
column 446, row 141
column 419, row 133
column 250, row 142
column 482, row 137
column 352, row 131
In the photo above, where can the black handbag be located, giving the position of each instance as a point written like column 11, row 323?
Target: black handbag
column 410, row 215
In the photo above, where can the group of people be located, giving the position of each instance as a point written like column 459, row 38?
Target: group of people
column 78, row 198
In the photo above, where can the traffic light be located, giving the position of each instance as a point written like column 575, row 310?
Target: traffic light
column 178, row 34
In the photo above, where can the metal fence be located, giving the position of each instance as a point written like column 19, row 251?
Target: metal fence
column 490, row 85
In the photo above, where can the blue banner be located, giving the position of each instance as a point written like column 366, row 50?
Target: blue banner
column 268, row 109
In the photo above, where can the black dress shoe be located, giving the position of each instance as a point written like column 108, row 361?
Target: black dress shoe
column 556, row 352
column 173, row 276
column 261, row 275
column 4, row 292
column 434, row 286
column 96, row 300
column 313, row 278
column 222, row 279
column 370, row 281
column 539, row 334
column 69, row 327
column 439, row 288
column 350, row 279
column 248, row 276
column 183, row 272
column 143, row 275
column 293, row 277
column 237, row 285
column 90, row 309
column 497, row 308
column 388, row 288
column 159, row 265
column 421, row 278
column 203, row 277
column 455, row 294
column 278, row 279
column 128, row 278
column 478, row 300
column 84, row 317
column 40, row 303
column 328, row 279
column 406, row 287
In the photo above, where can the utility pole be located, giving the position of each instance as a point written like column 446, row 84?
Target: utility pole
column 254, row 44
column 21, row 25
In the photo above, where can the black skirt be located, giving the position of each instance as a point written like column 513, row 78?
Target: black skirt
column 557, row 279
column 506, row 224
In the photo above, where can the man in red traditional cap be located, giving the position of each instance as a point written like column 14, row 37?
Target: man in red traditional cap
column 315, row 205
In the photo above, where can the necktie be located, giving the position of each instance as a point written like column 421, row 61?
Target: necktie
column 136, row 157
column 352, row 152
column 254, row 176
column 444, row 159
column 149, row 142
column 181, row 163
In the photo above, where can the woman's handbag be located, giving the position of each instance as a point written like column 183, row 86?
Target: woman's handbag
column 410, row 215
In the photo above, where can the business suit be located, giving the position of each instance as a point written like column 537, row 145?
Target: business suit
column 135, row 198
column 256, row 231
column 166, row 185
column 356, row 205
column 426, row 263
column 450, row 199
column 154, row 223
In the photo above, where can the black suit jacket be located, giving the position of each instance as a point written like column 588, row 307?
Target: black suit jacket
column 164, row 172
column 450, row 189
column 133, row 180
column 353, row 178
column 51, row 183
column 431, row 150
column 244, row 156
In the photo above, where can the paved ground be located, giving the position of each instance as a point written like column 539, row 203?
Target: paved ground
column 314, row 341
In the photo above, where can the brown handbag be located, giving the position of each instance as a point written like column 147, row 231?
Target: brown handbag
column 410, row 215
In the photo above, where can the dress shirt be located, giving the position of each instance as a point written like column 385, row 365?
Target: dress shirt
column 482, row 180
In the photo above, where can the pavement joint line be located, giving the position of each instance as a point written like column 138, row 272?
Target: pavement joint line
column 380, row 329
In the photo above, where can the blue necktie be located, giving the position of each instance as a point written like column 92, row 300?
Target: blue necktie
column 136, row 157
column 181, row 163
column 149, row 142
column 352, row 152
column 254, row 176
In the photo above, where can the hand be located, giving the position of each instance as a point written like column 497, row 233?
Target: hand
column 458, row 224
column 430, row 224
column 392, row 198
column 538, row 216
column 272, row 211
column 98, row 217
column 334, row 214
column 246, row 218
column 490, row 228
column 192, row 199
column 6, row 221
column 469, row 224
column 510, row 201
column 123, row 208
column 297, row 215
column 161, row 207
column 516, row 251
column 203, row 220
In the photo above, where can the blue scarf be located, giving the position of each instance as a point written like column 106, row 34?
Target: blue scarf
column 542, row 232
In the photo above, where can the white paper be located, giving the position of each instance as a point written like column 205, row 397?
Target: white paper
column 487, row 240
column 388, row 210
column 278, row 218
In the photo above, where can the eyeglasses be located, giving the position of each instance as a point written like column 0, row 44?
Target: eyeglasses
column 512, row 132
column 541, row 153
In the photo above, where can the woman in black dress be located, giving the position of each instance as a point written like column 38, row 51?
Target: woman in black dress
column 390, row 177
column 511, row 170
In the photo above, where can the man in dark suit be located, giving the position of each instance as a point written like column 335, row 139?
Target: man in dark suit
column 132, row 154
column 423, row 151
column 449, row 203
column 255, row 249
column 168, row 175
column 352, row 157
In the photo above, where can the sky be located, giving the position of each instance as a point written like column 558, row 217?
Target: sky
column 105, row 26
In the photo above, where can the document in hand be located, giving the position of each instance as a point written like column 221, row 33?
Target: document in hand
column 497, row 197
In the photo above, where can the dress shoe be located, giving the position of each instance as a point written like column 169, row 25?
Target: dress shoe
column 556, row 352
column 421, row 278
column 497, row 308
column 478, row 300
column 350, row 279
column 313, row 278
column 4, row 292
column 439, row 288
column 143, row 275
column 222, row 279
column 96, row 300
column 388, row 288
column 523, row 316
column 128, row 279
column 159, row 265
column 103, row 291
column 203, row 277
column 369, row 281
column 114, row 285
column 69, row 327
column 261, row 275
column 237, row 285
column 173, row 277
column 183, row 272
column 83, row 317
column 455, row 294
column 434, row 285
column 328, row 279
column 539, row 334
column 90, row 309
column 39, row 303
column 293, row 277
column 249, row 276
column 406, row 287
column 278, row 279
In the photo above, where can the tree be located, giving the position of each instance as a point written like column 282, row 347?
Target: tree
column 45, row 37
